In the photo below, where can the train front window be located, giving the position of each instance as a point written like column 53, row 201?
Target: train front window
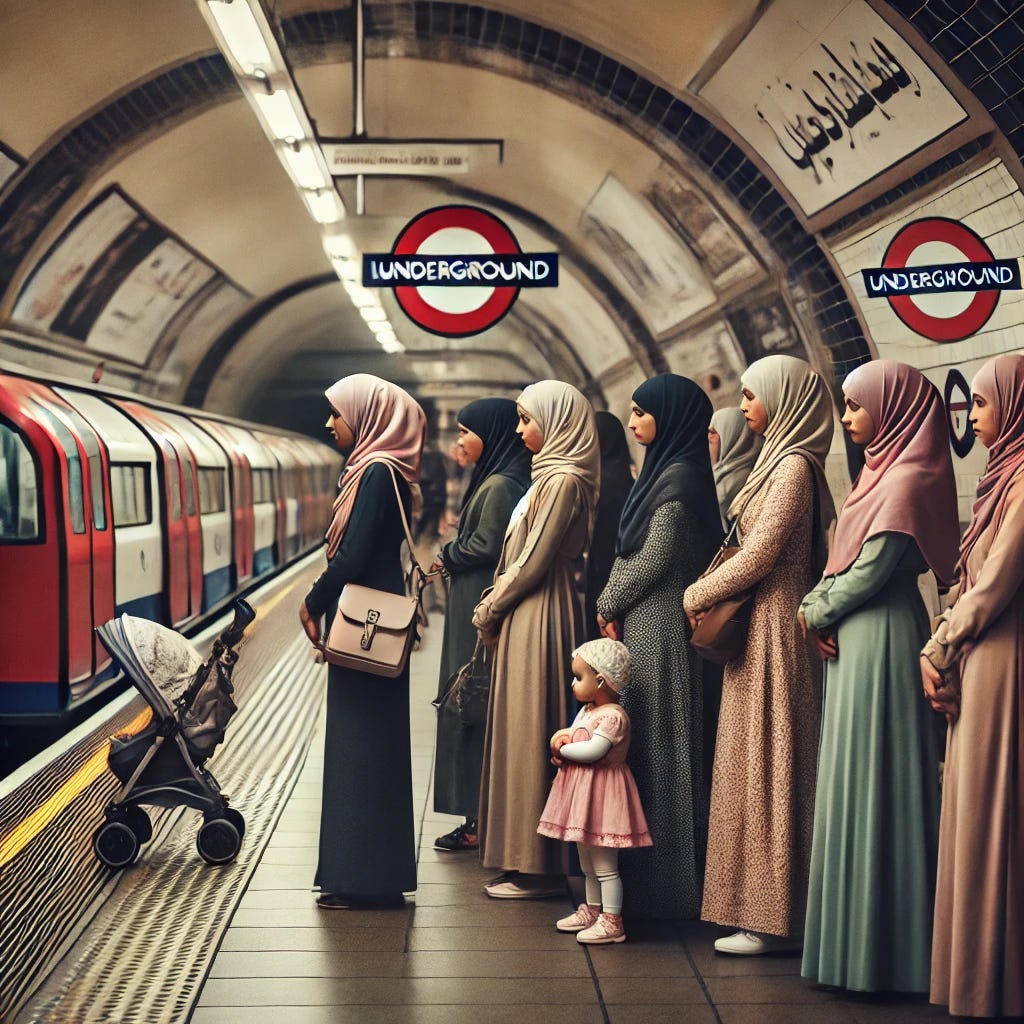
column 19, row 489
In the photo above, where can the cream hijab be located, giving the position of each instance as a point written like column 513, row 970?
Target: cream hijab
column 800, row 420
column 737, row 453
column 567, row 422
column 389, row 427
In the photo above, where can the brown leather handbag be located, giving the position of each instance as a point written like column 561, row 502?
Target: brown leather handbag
column 721, row 635
column 374, row 630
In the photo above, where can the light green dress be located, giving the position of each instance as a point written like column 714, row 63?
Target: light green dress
column 872, row 884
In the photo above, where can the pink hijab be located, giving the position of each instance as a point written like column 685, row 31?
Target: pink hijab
column 906, row 485
column 389, row 426
column 1001, row 382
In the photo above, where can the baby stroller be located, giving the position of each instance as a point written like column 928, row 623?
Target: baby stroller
column 163, row 765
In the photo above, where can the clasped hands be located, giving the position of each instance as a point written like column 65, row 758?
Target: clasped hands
column 943, row 694
column 828, row 646
column 558, row 741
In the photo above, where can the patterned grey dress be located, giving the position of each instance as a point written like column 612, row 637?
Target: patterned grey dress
column 664, row 702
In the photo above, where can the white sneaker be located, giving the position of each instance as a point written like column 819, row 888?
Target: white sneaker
column 604, row 930
column 584, row 917
column 745, row 943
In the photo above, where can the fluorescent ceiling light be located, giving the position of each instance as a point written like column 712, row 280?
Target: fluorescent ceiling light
column 373, row 313
column 347, row 270
column 340, row 247
column 392, row 347
column 325, row 206
column 279, row 113
column 304, row 168
column 380, row 327
column 241, row 34
column 359, row 295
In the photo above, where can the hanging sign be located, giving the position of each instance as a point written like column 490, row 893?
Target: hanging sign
column 457, row 270
column 941, row 279
column 416, row 158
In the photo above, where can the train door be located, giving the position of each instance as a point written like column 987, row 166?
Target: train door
column 176, row 532
column 135, row 495
column 212, row 501
column 101, row 534
column 241, row 499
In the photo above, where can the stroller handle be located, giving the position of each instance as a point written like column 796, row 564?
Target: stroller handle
column 244, row 615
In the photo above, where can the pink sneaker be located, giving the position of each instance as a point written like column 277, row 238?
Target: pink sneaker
column 604, row 930
column 584, row 917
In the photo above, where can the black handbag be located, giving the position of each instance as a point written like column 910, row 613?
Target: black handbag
column 469, row 689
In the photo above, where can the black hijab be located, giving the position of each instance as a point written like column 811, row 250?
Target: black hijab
column 494, row 421
column 677, row 465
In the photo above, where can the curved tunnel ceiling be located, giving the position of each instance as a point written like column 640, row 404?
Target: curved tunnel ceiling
column 605, row 143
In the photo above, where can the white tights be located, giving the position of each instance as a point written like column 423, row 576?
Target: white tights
column 604, row 885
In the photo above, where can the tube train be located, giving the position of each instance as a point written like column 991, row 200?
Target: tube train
column 111, row 503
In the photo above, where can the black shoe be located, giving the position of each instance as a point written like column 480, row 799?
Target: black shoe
column 462, row 838
column 341, row 901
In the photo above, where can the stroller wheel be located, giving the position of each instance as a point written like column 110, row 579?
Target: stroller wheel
column 115, row 844
column 236, row 819
column 138, row 821
column 218, row 841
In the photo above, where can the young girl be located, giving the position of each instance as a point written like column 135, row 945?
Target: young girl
column 593, row 799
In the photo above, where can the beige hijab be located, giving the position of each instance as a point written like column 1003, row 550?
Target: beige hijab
column 567, row 421
column 389, row 427
column 738, row 450
column 800, row 420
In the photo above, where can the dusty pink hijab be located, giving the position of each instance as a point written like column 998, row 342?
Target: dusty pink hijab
column 1001, row 382
column 906, row 485
column 389, row 426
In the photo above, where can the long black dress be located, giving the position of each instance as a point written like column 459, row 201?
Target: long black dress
column 367, row 837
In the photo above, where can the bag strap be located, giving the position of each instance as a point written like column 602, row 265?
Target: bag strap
column 423, row 577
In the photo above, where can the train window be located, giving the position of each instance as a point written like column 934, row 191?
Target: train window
column 211, row 490
column 130, row 494
column 262, row 486
column 190, row 488
column 19, row 489
column 76, row 493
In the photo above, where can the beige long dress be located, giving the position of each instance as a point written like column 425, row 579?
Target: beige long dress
column 762, row 789
column 536, row 603
column 978, row 943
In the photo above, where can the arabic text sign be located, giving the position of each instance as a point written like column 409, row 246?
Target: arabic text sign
column 830, row 96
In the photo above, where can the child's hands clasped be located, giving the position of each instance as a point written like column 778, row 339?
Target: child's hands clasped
column 558, row 741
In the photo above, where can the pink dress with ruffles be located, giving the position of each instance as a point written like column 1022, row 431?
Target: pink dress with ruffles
column 597, row 804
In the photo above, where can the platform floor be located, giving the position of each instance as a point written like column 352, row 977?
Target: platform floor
column 455, row 956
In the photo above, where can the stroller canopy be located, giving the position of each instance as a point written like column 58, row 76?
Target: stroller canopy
column 160, row 662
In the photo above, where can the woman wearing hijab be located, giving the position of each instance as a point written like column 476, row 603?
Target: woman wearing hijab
column 501, row 473
column 734, row 449
column 978, row 946
column 616, row 480
column 869, row 912
column 367, row 840
column 533, row 619
column 762, row 790
column 668, row 533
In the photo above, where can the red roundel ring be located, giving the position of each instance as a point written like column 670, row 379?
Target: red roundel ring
column 471, row 218
column 952, row 232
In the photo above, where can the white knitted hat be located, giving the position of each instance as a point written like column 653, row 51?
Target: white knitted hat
column 609, row 658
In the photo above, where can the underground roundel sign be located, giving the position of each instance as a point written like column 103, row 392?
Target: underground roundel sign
column 941, row 279
column 457, row 270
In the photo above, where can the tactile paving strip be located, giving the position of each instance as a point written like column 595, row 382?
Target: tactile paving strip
column 146, row 954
